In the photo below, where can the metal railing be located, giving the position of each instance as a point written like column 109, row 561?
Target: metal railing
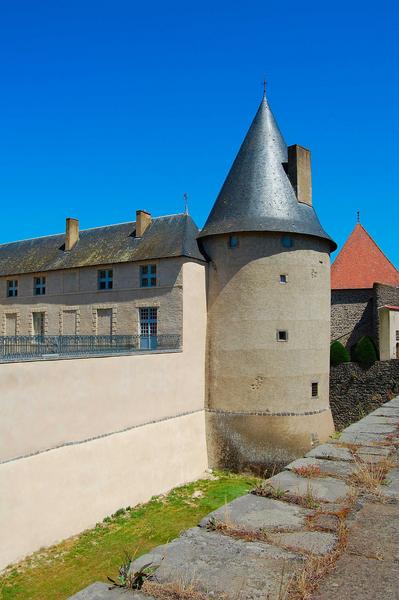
column 22, row 347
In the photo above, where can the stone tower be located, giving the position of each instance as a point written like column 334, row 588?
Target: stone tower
column 268, row 307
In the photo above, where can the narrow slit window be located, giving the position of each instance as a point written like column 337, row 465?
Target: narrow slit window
column 282, row 335
column 283, row 278
column 315, row 389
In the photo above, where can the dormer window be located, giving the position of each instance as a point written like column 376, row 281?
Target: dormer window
column 233, row 241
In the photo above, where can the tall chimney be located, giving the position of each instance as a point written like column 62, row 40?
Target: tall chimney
column 143, row 220
column 72, row 233
column 299, row 173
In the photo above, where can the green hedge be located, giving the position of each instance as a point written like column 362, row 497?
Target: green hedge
column 338, row 354
column 364, row 351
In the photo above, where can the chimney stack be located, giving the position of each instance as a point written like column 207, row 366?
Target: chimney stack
column 72, row 233
column 143, row 220
column 299, row 173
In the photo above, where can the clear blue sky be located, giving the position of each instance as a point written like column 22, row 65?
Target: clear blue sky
column 109, row 106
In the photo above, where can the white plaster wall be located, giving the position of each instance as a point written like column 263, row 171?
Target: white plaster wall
column 145, row 413
column 56, row 494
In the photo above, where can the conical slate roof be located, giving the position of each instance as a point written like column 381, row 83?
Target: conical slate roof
column 257, row 194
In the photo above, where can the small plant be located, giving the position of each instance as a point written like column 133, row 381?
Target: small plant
column 267, row 490
column 336, row 435
column 369, row 476
column 175, row 591
column 338, row 354
column 308, row 471
column 132, row 580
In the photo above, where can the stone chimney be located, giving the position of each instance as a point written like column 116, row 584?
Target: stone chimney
column 143, row 220
column 299, row 173
column 72, row 233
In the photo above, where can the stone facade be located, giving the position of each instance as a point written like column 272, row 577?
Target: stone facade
column 72, row 296
column 355, row 392
column 352, row 315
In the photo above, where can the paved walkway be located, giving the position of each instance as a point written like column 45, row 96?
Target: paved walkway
column 323, row 528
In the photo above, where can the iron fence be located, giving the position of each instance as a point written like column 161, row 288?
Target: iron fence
column 13, row 348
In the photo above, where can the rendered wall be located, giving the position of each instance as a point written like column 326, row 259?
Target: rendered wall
column 102, row 433
column 389, row 333
column 260, row 409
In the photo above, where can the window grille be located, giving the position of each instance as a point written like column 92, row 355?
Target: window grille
column 39, row 286
column 315, row 389
column 12, row 288
column 397, row 335
column 105, row 279
column 148, row 275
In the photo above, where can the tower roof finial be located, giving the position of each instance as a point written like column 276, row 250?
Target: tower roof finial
column 358, row 216
column 264, row 88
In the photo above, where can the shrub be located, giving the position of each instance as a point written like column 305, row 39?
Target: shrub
column 338, row 354
column 364, row 351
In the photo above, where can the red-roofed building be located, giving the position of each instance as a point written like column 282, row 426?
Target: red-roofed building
column 364, row 281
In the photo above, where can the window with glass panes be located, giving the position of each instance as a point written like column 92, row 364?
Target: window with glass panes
column 39, row 286
column 105, row 279
column 12, row 288
column 148, row 275
column 148, row 321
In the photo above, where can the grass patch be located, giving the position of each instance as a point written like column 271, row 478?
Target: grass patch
column 62, row 570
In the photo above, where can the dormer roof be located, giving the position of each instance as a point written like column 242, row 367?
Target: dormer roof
column 257, row 194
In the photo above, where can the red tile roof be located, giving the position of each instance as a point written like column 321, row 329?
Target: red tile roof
column 361, row 263
column 389, row 307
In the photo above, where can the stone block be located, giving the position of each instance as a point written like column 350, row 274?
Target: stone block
column 331, row 451
column 218, row 564
column 102, row 591
column 341, row 468
column 313, row 542
column 252, row 513
column 324, row 489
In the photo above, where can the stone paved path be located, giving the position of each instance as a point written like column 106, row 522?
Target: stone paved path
column 317, row 511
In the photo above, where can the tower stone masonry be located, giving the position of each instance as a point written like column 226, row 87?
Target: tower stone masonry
column 268, row 331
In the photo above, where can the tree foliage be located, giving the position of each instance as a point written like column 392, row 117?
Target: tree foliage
column 338, row 354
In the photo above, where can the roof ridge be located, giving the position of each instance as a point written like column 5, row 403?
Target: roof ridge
column 376, row 245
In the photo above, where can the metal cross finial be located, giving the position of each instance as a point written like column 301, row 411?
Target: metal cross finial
column 185, row 198
column 358, row 216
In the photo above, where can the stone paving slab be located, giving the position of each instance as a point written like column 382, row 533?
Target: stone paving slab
column 385, row 410
column 223, row 565
column 327, row 467
column 252, row 513
column 374, row 532
column 332, row 451
column 314, row 542
column 358, row 437
column 325, row 489
column 359, row 578
column 391, row 490
column 365, row 426
column 381, row 419
column 101, row 591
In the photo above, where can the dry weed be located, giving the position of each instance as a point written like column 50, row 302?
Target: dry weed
column 177, row 591
column 308, row 471
column 369, row 476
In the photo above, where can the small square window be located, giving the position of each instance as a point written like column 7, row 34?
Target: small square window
column 287, row 241
column 315, row 389
column 39, row 286
column 233, row 241
column 12, row 288
column 148, row 275
column 105, row 279
column 283, row 278
column 282, row 335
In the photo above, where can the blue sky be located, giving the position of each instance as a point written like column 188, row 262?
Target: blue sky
column 109, row 106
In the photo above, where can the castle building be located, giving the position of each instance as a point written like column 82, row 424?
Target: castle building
column 266, row 261
column 365, row 295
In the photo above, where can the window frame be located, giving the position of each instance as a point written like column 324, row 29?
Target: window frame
column 283, row 278
column 12, row 286
column 148, row 274
column 105, row 280
column 39, row 285
column 285, row 332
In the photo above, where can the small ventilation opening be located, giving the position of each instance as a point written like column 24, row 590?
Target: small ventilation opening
column 282, row 335
column 233, row 241
column 283, row 278
column 315, row 389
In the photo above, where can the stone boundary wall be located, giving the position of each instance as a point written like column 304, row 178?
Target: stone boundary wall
column 354, row 391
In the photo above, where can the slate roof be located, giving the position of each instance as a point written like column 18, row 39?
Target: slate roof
column 361, row 263
column 257, row 194
column 169, row 236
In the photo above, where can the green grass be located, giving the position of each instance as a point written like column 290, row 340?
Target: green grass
column 57, row 572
